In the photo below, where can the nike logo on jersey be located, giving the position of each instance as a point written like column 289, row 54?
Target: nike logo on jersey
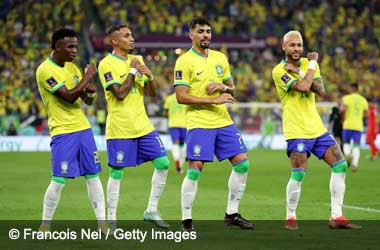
column 199, row 73
column 121, row 76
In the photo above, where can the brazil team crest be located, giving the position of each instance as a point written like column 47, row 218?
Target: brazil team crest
column 219, row 69
column 197, row 150
column 119, row 156
column 76, row 80
column 64, row 167
column 300, row 147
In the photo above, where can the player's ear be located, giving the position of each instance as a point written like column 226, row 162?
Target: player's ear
column 191, row 35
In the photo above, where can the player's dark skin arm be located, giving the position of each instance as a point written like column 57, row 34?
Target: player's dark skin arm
column 121, row 91
column 73, row 94
column 90, row 89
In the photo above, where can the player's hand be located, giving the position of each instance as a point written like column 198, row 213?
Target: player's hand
column 90, row 88
column 135, row 63
column 213, row 87
column 90, row 71
column 143, row 69
column 312, row 56
column 224, row 98
column 291, row 68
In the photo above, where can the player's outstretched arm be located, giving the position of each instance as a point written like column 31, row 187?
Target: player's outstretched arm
column 184, row 97
column 73, row 94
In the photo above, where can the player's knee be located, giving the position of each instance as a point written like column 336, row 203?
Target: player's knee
column 339, row 167
column 91, row 176
column 116, row 173
column 298, row 174
column 241, row 167
column 161, row 163
column 193, row 174
column 60, row 180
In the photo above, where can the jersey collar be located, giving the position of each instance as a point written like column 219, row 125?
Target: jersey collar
column 197, row 53
column 53, row 62
column 118, row 57
column 284, row 61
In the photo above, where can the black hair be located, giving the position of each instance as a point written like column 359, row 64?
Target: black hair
column 61, row 34
column 114, row 28
column 198, row 20
column 355, row 85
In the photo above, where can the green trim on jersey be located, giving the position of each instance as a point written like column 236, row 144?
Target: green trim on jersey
column 111, row 83
column 227, row 78
column 53, row 62
column 289, row 85
column 57, row 87
column 197, row 53
column 118, row 57
column 181, row 83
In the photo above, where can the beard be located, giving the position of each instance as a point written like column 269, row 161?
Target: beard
column 294, row 58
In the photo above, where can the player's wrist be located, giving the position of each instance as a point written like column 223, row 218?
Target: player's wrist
column 227, row 88
column 312, row 64
column 301, row 73
column 133, row 71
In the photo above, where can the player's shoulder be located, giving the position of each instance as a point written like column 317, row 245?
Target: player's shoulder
column 105, row 60
column 279, row 67
column 43, row 66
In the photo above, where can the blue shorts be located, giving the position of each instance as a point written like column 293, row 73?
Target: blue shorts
column 133, row 152
column 224, row 142
column 317, row 146
column 178, row 134
column 348, row 135
column 74, row 154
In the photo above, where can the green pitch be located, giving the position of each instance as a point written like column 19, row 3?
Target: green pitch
column 25, row 176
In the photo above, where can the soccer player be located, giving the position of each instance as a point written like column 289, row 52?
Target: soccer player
column 177, row 128
column 297, row 80
column 354, row 109
column 131, row 138
column 73, row 148
column 203, row 81
column 372, row 127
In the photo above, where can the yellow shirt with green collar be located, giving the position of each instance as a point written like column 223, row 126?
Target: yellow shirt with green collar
column 196, row 71
column 176, row 112
column 126, row 118
column 356, row 105
column 63, row 117
column 300, row 119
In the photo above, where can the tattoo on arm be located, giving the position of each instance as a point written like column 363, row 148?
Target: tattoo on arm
column 318, row 87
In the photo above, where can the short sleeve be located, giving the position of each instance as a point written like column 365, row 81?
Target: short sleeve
column 226, row 73
column 283, row 79
column 108, row 75
column 181, row 72
column 49, row 81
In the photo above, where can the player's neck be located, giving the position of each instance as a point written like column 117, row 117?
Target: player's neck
column 294, row 62
column 202, row 51
column 56, row 59
column 120, row 53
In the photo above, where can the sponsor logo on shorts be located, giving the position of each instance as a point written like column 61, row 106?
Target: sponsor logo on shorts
column 300, row 147
column 197, row 150
column 119, row 156
column 64, row 167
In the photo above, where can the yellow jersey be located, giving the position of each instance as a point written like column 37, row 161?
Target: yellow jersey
column 63, row 117
column 300, row 118
column 126, row 118
column 176, row 112
column 196, row 71
column 356, row 105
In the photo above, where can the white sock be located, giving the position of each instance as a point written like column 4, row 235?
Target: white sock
column 347, row 149
column 176, row 152
column 293, row 192
column 158, row 185
column 182, row 155
column 113, row 190
column 96, row 196
column 337, row 188
column 236, row 187
column 355, row 156
column 188, row 192
column 51, row 200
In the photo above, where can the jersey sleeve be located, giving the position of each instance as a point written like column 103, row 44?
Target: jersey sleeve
column 226, row 73
column 108, row 76
column 181, row 72
column 283, row 79
column 49, row 80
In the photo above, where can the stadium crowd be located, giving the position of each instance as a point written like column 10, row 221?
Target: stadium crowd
column 345, row 33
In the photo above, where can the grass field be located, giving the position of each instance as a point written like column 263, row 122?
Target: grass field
column 25, row 176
